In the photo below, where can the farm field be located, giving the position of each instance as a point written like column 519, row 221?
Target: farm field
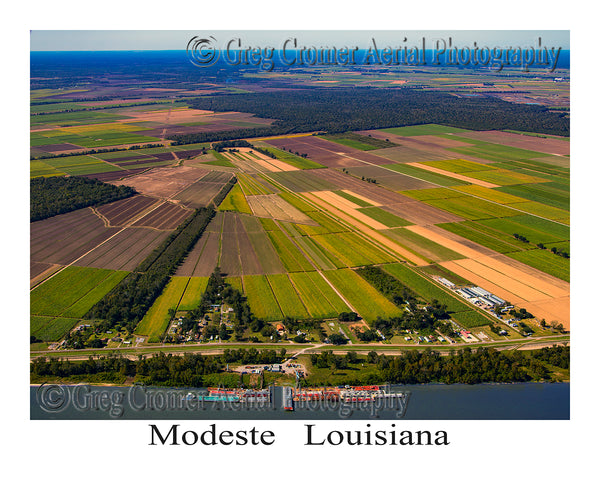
column 417, row 200
column 73, row 291
column 235, row 201
column 261, row 299
column 156, row 320
column 287, row 297
column 319, row 298
column 367, row 301
column 195, row 287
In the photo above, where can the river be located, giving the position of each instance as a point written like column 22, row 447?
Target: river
column 525, row 401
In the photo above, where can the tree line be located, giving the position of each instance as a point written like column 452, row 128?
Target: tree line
column 50, row 196
column 459, row 366
column 188, row 370
column 349, row 109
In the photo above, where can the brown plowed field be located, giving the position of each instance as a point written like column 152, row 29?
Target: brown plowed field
column 420, row 150
column 203, row 258
column 316, row 153
column 248, row 257
column 58, row 147
column 421, row 214
column 165, row 217
column 163, row 182
column 229, row 260
column 123, row 211
column 111, row 177
column 125, row 250
column 186, row 269
column 449, row 240
column 549, row 145
column 126, row 159
column 64, row 238
column 201, row 193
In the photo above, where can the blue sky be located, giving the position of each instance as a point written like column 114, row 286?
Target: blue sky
column 51, row 40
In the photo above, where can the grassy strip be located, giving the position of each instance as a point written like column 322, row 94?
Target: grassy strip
column 157, row 319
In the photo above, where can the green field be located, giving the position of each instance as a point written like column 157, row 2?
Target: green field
column 297, row 202
column 551, row 193
column 193, row 292
column 471, row 319
column 51, row 329
column 57, row 304
column 291, row 159
column 287, row 297
column 73, row 291
column 261, row 299
column 493, row 151
column 292, row 259
column 326, row 224
column 74, row 118
column 37, row 168
column 301, row 181
column 352, row 249
column 487, row 237
column 368, row 302
column 502, row 176
column 318, row 254
column 491, row 194
column 235, row 201
column 360, row 142
column 318, row 297
column 383, row 216
column 250, row 186
column 542, row 210
column 428, row 129
column 545, row 261
column 535, row 229
column 472, row 208
column 458, row 166
column 157, row 318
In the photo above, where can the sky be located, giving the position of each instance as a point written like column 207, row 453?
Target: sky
column 88, row 40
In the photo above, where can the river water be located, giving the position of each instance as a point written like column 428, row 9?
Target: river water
column 525, row 401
